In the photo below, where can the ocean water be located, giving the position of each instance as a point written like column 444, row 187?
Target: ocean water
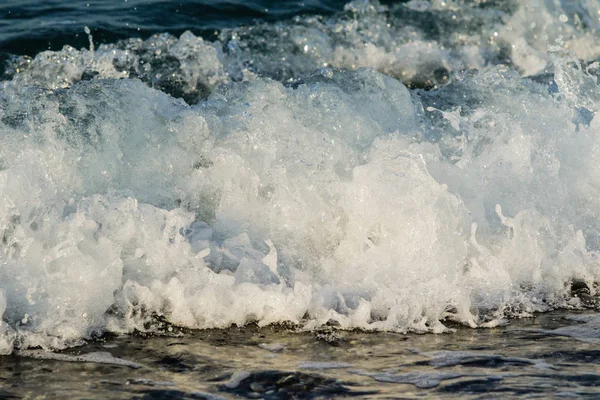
column 396, row 168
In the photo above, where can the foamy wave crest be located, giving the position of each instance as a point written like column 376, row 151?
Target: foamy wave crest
column 344, row 198
column 418, row 42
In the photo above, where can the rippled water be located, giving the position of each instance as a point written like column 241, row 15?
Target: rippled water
column 525, row 359
column 31, row 26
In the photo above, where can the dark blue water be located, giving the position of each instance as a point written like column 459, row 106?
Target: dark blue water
column 30, row 26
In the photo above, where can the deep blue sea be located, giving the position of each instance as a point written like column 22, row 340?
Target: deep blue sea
column 211, row 199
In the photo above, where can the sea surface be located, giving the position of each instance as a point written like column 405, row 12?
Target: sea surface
column 211, row 199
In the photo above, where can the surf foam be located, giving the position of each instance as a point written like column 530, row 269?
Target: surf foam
column 342, row 198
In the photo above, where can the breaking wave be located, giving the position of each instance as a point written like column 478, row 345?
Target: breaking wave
column 386, row 168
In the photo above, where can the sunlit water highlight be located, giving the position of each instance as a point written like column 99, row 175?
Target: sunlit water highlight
column 398, row 168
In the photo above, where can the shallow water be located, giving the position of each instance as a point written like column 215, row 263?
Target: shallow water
column 524, row 359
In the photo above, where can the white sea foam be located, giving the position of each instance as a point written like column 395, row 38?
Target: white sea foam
column 344, row 197
column 418, row 42
column 6, row 333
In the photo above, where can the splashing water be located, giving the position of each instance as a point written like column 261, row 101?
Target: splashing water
column 281, row 188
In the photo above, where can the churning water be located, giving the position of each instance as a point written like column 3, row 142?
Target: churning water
column 398, row 167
